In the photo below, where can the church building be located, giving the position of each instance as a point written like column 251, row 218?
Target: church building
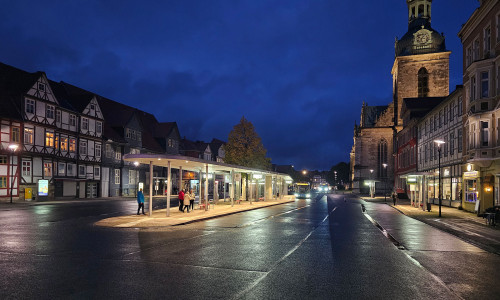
column 420, row 70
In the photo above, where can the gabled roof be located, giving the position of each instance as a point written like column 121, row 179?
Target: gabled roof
column 215, row 144
column 14, row 84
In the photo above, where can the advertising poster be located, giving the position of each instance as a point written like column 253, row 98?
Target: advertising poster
column 43, row 187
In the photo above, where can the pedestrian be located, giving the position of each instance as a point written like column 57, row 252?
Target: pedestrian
column 140, row 201
column 181, row 200
column 187, row 198
column 192, row 196
column 394, row 196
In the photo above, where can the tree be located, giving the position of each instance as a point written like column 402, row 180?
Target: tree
column 342, row 177
column 244, row 147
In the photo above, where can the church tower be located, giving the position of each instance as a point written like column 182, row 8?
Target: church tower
column 421, row 67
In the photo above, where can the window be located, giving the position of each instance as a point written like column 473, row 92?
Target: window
column 476, row 50
column 436, row 117
column 118, row 153
column 472, row 136
column 56, row 143
column 30, row 106
column 170, row 142
column 15, row 134
column 49, row 139
column 440, row 118
column 98, row 150
column 28, row 136
column 72, row 145
column 469, row 56
column 423, row 82
column 92, row 106
column 26, row 168
column 131, row 176
column 452, row 143
column 445, row 114
column 3, row 182
column 117, row 176
column 64, row 144
column 472, row 88
column 72, row 120
column 484, row 134
column 58, row 116
column 484, row 85
column 61, row 168
column 445, row 146
column 460, row 107
column 50, row 112
column 134, row 151
column 109, row 151
column 127, row 133
column 70, row 170
column 452, row 111
column 41, row 87
column 81, row 170
column 98, row 126
column 47, row 169
column 3, row 159
column 487, row 41
column 460, row 141
column 382, row 158
column 83, row 147
column 97, row 172
column 85, row 123
column 133, row 135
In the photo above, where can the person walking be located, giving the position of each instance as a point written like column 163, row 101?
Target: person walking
column 181, row 200
column 394, row 196
column 187, row 198
column 192, row 196
column 140, row 201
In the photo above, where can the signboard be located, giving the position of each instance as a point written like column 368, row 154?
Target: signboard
column 237, row 177
column 470, row 175
column 43, row 187
column 477, row 206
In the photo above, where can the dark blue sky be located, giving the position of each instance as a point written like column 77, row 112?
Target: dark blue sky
column 298, row 70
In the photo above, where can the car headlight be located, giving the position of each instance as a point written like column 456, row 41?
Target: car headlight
column 296, row 195
column 308, row 195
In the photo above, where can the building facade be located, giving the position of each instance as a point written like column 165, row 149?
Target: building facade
column 480, row 37
column 420, row 69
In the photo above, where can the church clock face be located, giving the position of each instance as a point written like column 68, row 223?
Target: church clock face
column 422, row 37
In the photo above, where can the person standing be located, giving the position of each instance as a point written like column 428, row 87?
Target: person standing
column 140, row 201
column 192, row 196
column 394, row 196
column 181, row 200
column 187, row 198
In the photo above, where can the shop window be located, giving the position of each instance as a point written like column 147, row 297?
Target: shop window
column 471, row 190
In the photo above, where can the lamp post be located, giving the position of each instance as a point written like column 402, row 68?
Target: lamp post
column 12, row 148
column 439, row 143
column 372, row 185
column 385, row 182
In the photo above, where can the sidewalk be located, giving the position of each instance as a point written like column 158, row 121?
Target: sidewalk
column 159, row 218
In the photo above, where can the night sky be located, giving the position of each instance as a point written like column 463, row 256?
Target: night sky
column 298, row 70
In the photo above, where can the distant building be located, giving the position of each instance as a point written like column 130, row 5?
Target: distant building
column 420, row 69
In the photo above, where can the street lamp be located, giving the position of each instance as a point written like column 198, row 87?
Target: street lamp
column 12, row 148
column 372, row 186
column 439, row 143
column 385, row 182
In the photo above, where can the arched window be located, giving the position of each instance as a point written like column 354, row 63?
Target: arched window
column 423, row 83
column 382, row 158
column 420, row 10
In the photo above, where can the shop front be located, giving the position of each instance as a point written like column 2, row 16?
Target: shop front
column 471, row 189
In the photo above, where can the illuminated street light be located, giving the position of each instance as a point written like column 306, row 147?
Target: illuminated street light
column 12, row 148
column 385, row 182
column 372, row 186
column 439, row 143
column 304, row 172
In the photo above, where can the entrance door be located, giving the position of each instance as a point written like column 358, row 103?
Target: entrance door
column 91, row 190
column 105, row 182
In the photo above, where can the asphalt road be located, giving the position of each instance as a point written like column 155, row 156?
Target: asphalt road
column 325, row 248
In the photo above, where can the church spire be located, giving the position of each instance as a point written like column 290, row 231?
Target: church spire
column 419, row 13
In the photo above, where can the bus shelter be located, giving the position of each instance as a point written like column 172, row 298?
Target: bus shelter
column 275, row 184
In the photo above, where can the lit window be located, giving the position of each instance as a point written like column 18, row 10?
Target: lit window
column 15, row 134
column 72, row 145
column 28, row 136
column 64, row 144
column 47, row 169
column 49, row 139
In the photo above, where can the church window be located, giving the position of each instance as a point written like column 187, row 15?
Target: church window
column 382, row 158
column 423, row 83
